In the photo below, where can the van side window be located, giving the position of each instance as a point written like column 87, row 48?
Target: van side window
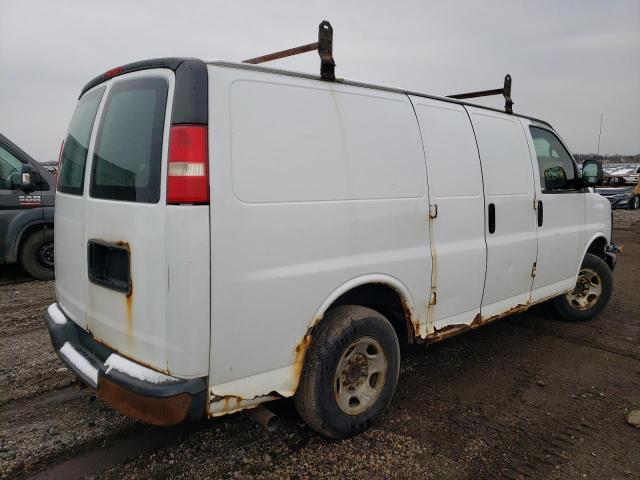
column 10, row 170
column 127, row 158
column 557, row 169
column 74, row 154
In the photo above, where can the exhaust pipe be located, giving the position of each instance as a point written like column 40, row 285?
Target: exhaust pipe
column 264, row 417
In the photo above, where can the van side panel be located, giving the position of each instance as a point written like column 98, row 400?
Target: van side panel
column 457, row 233
column 313, row 184
column 507, row 172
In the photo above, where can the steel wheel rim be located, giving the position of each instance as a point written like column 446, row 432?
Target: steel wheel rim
column 587, row 291
column 636, row 202
column 360, row 376
column 45, row 255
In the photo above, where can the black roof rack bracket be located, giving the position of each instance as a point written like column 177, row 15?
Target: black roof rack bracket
column 324, row 46
column 505, row 91
column 325, row 50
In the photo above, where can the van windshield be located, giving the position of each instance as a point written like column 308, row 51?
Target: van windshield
column 74, row 154
column 127, row 158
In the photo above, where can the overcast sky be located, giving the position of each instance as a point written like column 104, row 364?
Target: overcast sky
column 570, row 60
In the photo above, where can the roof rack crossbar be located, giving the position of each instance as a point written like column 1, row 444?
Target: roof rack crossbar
column 506, row 91
column 324, row 46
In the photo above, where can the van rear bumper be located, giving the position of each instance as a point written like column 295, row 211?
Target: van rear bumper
column 133, row 389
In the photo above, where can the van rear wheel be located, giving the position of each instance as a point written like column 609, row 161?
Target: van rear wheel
column 350, row 372
column 36, row 255
column 591, row 293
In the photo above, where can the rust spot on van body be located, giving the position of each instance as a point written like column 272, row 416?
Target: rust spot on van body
column 128, row 296
column 231, row 402
column 129, row 303
column 300, row 354
column 155, row 411
column 413, row 325
column 434, row 273
column 478, row 321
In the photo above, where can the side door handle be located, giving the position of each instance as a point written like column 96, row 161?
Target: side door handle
column 492, row 218
column 540, row 213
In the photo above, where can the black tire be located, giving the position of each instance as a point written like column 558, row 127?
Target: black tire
column 36, row 255
column 315, row 399
column 567, row 311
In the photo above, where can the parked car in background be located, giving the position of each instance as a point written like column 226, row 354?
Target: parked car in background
column 621, row 192
column 27, row 194
column 629, row 172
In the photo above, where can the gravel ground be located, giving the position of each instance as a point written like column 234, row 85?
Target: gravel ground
column 525, row 397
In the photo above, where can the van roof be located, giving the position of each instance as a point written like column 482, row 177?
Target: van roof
column 174, row 62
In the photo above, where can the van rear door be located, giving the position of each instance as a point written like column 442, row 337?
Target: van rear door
column 134, row 239
column 124, row 218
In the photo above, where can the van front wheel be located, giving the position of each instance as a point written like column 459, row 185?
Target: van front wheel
column 591, row 293
column 350, row 372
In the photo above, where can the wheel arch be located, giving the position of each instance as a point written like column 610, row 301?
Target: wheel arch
column 383, row 293
column 596, row 245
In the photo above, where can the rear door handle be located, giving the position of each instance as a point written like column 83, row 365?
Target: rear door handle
column 492, row 218
column 540, row 213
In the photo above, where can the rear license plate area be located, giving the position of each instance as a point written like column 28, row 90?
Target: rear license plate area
column 109, row 265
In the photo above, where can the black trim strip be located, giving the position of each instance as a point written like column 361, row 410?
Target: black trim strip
column 191, row 96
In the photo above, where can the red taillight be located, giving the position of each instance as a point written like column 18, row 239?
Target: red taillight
column 113, row 72
column 187, row 176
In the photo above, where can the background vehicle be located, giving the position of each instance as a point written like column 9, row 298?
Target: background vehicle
column 621, row 192
column 26, row 212
column 250, row 234
column 630, row 173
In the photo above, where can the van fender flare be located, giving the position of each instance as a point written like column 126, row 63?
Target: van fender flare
column 593, row 238
column 377, row 278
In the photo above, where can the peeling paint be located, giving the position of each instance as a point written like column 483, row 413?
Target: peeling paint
column 129, row 305
column 431, row 309
column 413, row 324
column 478, row 321
column 227, row 404
column 300, row 354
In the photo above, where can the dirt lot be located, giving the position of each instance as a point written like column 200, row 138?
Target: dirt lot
column 525, row 397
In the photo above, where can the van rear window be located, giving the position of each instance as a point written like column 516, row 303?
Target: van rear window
column 74, row 153
column 127, row 158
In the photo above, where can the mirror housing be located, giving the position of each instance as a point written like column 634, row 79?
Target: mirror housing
column 592, row 174
column 30, row 178
column 555, row 178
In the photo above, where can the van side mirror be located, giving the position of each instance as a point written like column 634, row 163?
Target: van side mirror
column 555, row 178
column 592, row 174
column 30, row 178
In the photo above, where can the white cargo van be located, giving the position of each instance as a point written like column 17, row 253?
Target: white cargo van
column 228, row 234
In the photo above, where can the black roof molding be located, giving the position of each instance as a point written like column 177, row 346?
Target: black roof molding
column 169, row 62
column 191, row 96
